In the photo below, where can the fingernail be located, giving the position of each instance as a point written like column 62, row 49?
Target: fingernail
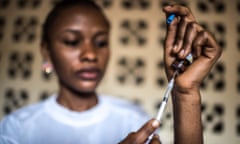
column 175, row 47
column 156, row 136
column 182, row 52
column 169, row 6
column 155, row 124
column 166, row 9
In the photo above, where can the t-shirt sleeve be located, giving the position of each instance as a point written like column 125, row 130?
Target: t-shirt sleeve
column 9, row 130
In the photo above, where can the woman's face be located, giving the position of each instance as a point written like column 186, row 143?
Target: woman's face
column 79, row 48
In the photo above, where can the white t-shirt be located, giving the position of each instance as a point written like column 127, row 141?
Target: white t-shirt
column 47, row 122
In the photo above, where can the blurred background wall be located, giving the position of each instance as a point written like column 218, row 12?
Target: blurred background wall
column 136, row 68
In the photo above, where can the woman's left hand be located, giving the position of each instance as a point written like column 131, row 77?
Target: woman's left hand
column 184, row 35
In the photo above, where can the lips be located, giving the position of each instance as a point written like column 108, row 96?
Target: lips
column 89, row 74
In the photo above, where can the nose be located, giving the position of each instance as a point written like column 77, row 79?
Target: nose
column 89, row 53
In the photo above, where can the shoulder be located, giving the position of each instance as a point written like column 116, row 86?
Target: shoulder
column 27, row 112
column 23, row 114
column 11, row 125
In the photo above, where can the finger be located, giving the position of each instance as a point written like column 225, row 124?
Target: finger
column 145, row 131
column 169, row 42
column 171, row 33
column 191, row 34
column 155, row 139
column 197, row 51
column 180, row 34
column 209, row 47
column 179, row 10
column 200, row 42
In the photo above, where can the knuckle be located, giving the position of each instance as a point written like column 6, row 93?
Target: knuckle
column 193, row 25
column 148, row 131
column 185, row 21
column 204, row 33
column 186, row 9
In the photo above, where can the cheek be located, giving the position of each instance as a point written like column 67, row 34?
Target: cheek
column 105, row 57
column 63, row 61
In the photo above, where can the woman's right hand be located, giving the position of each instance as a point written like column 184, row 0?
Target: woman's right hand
column 141, row 136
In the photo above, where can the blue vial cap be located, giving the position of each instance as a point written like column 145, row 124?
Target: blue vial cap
column 170, row 18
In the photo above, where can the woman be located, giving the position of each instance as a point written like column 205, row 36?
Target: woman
column 75, row 43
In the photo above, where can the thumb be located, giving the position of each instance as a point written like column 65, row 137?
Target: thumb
column 155, row 139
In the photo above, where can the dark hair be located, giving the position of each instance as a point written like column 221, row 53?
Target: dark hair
column 63, row 4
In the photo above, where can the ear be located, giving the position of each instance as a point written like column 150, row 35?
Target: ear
column 45, row 52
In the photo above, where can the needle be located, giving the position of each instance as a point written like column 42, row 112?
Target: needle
column 166, row 96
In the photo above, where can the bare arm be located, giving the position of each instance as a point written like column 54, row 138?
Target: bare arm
column 184, row 35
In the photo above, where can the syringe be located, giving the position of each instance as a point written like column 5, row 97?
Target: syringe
column 179, row 68
column 170, row 84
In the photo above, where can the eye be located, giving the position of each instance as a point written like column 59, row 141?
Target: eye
column 101, row 44
column 71, row 43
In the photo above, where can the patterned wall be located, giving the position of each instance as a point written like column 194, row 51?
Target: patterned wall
column 136, row 68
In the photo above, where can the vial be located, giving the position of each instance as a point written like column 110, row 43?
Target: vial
column 182, row 65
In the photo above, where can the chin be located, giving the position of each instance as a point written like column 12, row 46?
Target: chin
column 88, row 87
column 83, row 88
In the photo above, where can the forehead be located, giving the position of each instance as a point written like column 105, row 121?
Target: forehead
column 78, row 14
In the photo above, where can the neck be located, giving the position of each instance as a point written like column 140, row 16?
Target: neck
column 77, row 101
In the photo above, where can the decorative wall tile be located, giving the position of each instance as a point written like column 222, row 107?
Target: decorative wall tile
column 25, row 29
column 207, row 6
column 238, row 6
column 133, row 32
column 33, row 4
column 213, row 118
column 44, row 95
column 2, row 26
column 105, row 3
column 164, row 3
column 161, row 80
column 20, row 65
column 136, row 4
column 238, row 39
column 4, row 4
column 238, row 120
column 14, row 99
column 219, row 30
column 131, row 71
column 238, row 78
column 216, row 78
